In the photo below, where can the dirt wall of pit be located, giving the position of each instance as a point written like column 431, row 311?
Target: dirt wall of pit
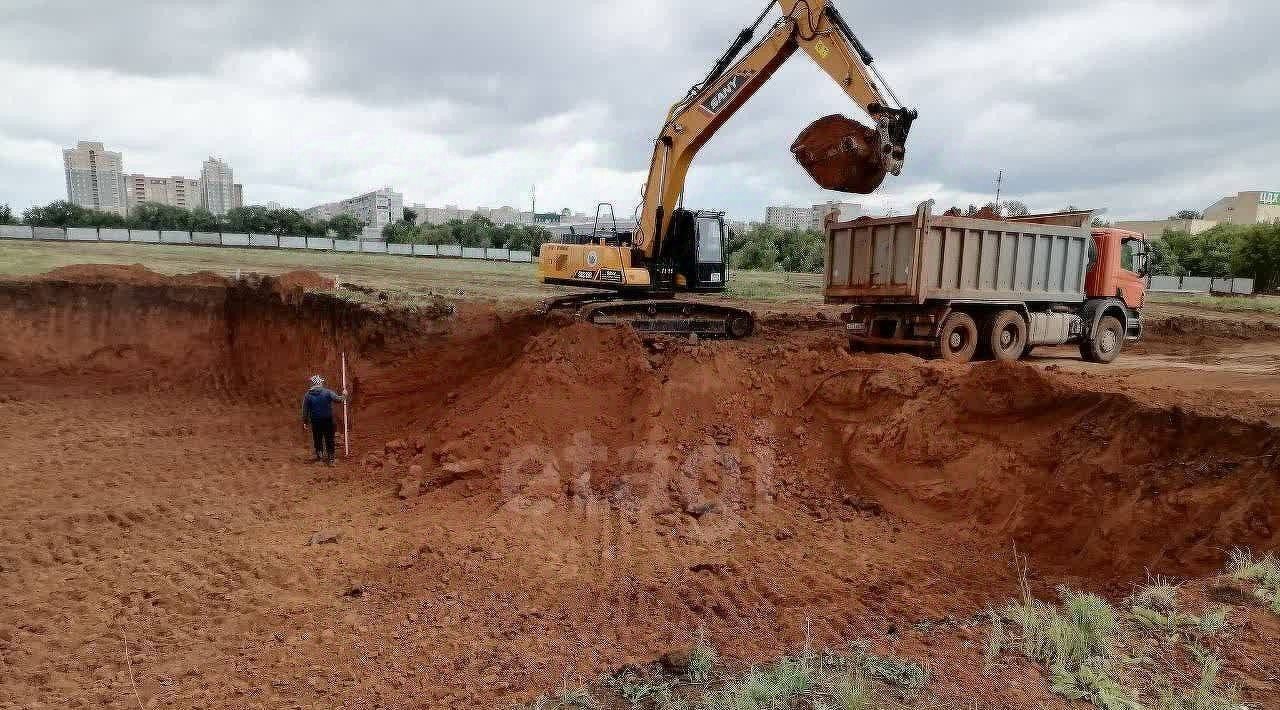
column 257, row 337
column 1093, row 484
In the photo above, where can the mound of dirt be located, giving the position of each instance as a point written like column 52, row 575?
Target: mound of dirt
column 305, row 280
column 132, row 274
column 1183, row 333
column 1093, row 482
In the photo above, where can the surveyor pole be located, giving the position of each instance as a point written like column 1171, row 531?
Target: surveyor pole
column 346, row 444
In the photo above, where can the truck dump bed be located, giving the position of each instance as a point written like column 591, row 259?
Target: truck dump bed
column 922, row 257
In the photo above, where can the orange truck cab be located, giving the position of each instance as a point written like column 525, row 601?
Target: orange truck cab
column 1117, row 267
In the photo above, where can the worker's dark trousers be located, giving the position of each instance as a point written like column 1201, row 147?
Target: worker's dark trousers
column 322, row 435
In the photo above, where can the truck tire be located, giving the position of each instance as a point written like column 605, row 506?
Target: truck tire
column 1007, row 335
column 959, row 338
column 1106, row 343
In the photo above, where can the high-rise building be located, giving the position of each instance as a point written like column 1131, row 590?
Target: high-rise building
column 217, row 186
column 94, row 177
column 376, row 209
column 237, row 196
column 176, row 191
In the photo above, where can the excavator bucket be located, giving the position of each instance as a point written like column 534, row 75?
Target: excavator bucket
column 841, row 154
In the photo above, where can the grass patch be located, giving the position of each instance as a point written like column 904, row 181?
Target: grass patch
column 1115, row 660
column 1226, row 304
column 1263, row 571
column 852, row 679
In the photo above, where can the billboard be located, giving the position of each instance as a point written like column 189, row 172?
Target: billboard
column 1269, row 198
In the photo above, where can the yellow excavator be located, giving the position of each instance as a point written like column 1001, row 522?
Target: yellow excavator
column 637, row 273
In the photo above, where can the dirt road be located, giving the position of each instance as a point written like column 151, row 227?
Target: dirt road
column 532, row 503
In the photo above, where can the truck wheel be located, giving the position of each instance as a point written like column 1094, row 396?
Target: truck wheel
column 958, row 339
column 1106, row 343
column 1007, row 335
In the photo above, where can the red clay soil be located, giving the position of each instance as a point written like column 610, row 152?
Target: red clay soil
column 530, row 502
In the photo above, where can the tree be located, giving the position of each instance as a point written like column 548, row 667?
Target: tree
column 287, row 222
column 1015, row 208
column 60, row 213
column 1257, row 255
column 529, row 239
column 1187, row 214
column 766, row 248
column 202, row 220
column 6, row 215
column 401, row 232
column 153, row 215
column 346, row 226
column 248, row 220
column 410, row 215
column 989, row 211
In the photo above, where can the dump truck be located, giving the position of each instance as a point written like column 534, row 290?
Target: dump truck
column 959, row 287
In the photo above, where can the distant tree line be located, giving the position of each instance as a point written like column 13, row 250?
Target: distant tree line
column 1248, row 250
column 253, row 219
column 475, row 231
column 764, row 247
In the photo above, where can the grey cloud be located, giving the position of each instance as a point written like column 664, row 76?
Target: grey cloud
column 1136, row 117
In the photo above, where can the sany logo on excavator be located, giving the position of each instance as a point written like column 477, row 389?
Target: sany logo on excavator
column 713, row 103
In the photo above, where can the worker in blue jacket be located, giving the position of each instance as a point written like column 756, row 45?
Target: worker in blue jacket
column 317, row 413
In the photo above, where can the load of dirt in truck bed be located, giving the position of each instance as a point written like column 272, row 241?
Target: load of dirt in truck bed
column 530, row 501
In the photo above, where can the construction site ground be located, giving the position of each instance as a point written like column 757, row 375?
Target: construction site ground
column 530, row 502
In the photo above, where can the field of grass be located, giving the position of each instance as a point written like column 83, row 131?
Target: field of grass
column 465, row 279
column 1226, row 304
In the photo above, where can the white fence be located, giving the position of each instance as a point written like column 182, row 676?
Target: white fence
column 262, row 241
column 1201, row 284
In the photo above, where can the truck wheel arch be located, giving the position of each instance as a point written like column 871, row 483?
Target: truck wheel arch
column 1095, row 311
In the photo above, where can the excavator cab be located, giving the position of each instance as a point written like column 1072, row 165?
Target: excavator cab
column 694, row 249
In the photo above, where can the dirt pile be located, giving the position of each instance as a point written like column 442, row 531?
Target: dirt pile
column 1096, row 483
column 1196, row 334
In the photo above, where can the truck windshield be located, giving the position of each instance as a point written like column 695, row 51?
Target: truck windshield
column 710, row 236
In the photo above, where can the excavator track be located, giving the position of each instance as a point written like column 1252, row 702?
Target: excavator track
column 658, row 316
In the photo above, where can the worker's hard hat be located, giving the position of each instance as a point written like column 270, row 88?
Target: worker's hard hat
column 317, row 381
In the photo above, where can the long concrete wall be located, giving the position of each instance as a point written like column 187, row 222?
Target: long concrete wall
column 1201, row 284
column 259, row 241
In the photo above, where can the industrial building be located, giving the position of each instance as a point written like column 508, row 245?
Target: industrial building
column 1249, row 207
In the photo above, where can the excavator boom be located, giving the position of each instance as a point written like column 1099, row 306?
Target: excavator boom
column 838, row 153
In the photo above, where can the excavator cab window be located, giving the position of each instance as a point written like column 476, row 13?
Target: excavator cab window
column 710, row 241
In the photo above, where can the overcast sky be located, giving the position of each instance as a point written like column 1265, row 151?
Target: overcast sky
column 1141, row 108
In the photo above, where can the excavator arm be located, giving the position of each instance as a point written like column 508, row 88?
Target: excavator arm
column 840, row 154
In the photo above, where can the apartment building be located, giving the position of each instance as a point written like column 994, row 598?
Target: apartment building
column 376, row 209
column 176, row 191
column 812, row 217
column 95, row 177
column 217, row 186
